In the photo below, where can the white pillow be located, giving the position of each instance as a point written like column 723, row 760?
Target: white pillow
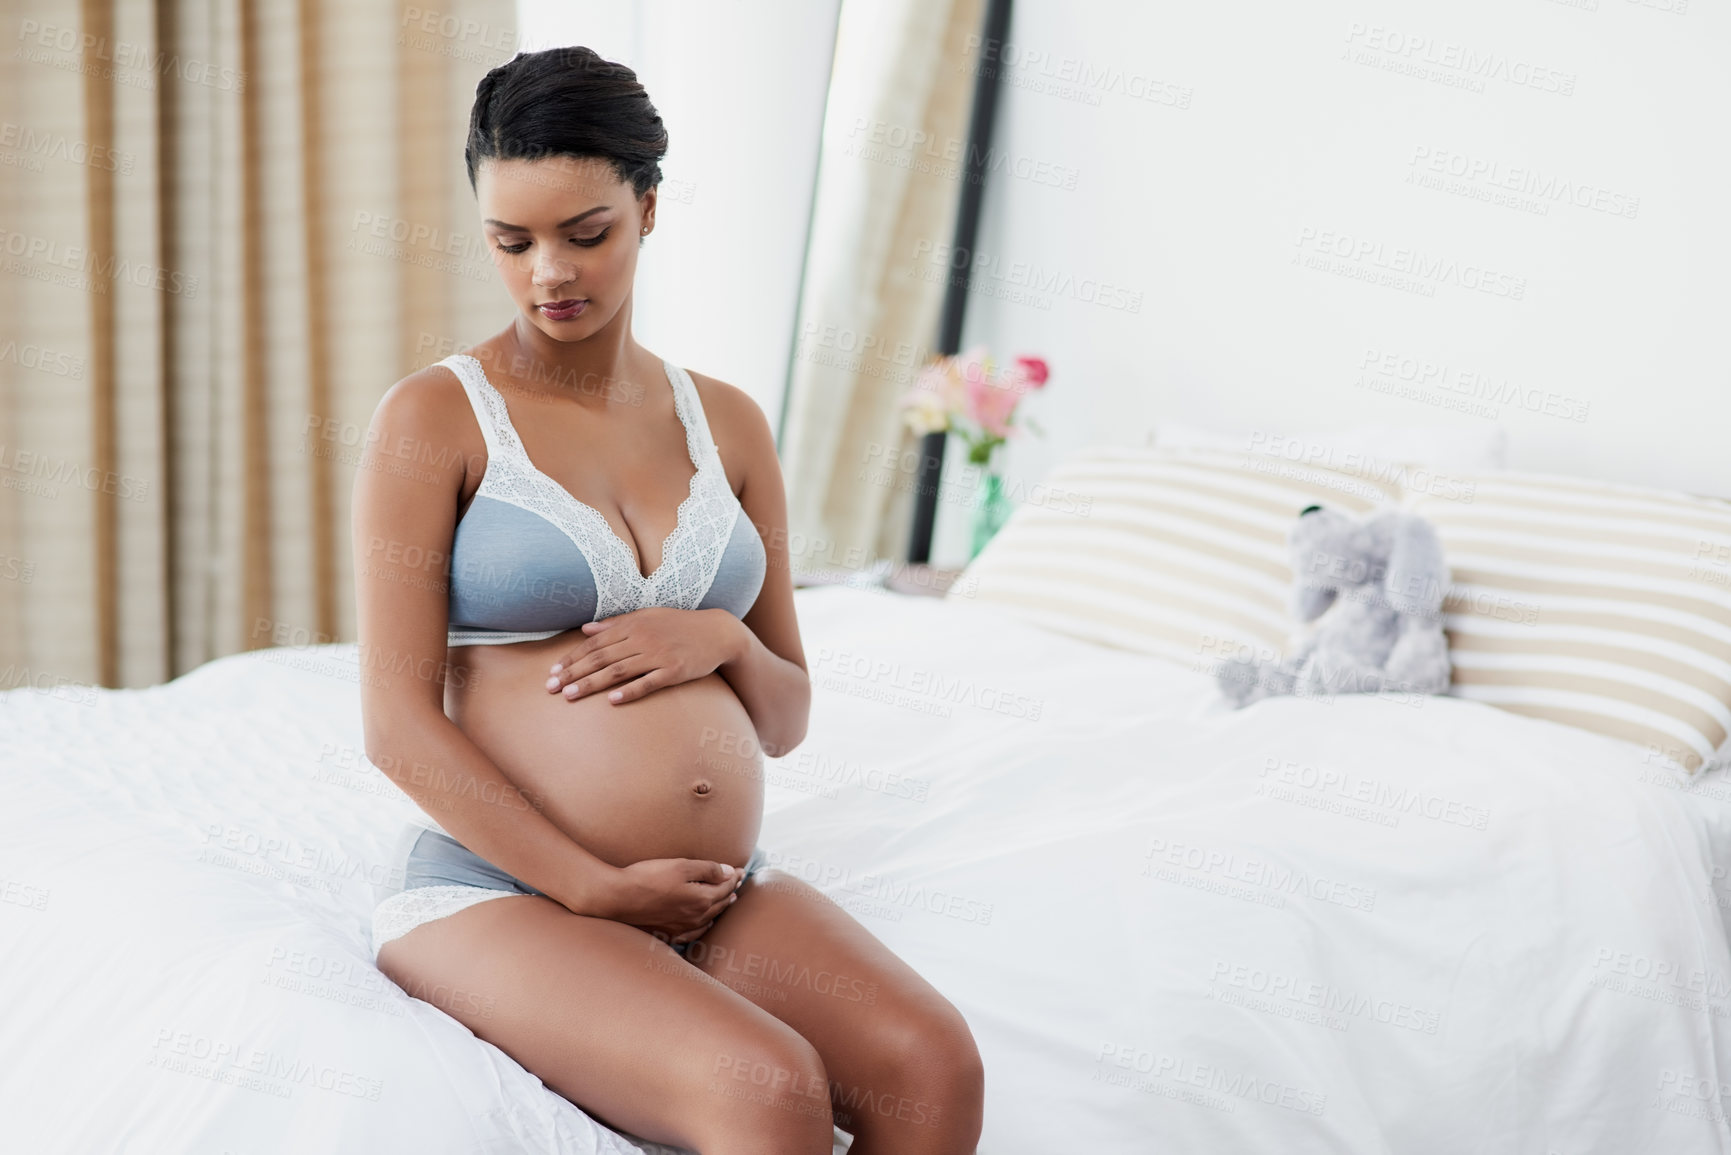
column 1467, row 450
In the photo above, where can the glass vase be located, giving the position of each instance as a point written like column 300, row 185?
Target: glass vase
column 991, row 508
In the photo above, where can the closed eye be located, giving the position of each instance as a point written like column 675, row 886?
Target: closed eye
column 586, row 242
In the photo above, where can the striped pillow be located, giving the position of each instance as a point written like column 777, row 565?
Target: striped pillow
column 1180, row 553
column 1597, row 605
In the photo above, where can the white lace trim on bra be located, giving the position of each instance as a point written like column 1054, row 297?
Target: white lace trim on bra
column 690, row 555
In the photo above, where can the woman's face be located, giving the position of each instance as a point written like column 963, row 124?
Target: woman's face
column 564, row 232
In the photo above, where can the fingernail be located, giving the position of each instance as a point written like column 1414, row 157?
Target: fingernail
column 727, row 870
column 616, row 695
column 572, row 691
column 552, row 683
column 733, row 898
column 557, row 667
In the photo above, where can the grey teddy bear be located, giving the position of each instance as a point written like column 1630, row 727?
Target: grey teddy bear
column 1377, row 587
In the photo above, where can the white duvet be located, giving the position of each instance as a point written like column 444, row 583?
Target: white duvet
column 1360, row 925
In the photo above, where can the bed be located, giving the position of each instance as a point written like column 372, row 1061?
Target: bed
column 1373, row 923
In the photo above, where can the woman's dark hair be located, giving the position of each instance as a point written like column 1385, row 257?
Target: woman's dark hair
column 567, row 102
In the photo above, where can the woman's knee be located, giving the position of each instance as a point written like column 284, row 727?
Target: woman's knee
column 766, row 1091
column 927, row 1080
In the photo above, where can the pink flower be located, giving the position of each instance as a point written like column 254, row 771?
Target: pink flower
column 1033, row 370
column 968, row 385
column 990, row 405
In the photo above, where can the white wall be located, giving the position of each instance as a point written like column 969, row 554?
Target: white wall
column 1213, row 147
column 740, row 85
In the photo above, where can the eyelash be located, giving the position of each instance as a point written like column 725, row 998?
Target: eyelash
column 597, row 239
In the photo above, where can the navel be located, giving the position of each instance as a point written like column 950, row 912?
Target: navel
column 701, row 786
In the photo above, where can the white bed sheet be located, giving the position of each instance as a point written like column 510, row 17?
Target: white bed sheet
column 1164, row 934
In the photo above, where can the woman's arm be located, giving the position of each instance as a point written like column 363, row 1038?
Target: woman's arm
column 404, row 508
column 767, row 668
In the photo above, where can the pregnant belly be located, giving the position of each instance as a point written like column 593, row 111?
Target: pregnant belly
column 676, row 774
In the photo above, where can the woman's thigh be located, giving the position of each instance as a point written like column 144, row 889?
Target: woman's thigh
column 899, row 1056
column 620, row 1024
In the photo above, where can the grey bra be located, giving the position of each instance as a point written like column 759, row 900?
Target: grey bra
column 528, row 560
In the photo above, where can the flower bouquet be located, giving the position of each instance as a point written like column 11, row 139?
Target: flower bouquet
column 975, row 398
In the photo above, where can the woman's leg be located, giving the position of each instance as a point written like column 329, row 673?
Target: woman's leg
column 622, row 1026
column 905, row 1075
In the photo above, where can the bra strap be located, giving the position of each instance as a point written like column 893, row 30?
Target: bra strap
column 691, row 410
column 476, row 387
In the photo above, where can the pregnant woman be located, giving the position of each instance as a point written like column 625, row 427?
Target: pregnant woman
column 577, row 625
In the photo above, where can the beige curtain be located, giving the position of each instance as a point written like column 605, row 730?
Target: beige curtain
column 227, row 226
column 887, row 193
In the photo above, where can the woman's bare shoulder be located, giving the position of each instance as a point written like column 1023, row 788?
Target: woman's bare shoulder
column 733, row 414
column 429, row 403
column 431, row 393
column 425, row 419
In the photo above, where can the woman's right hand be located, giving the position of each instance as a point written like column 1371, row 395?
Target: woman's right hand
column 675, row 899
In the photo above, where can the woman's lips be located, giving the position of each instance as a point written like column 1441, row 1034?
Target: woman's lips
column 562, row 310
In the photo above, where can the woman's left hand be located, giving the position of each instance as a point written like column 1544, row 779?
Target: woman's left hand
column 637, row 653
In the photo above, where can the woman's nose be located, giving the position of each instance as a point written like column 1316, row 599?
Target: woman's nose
column 551, row 270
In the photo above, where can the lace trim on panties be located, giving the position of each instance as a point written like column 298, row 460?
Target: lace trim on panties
column 401, row 913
